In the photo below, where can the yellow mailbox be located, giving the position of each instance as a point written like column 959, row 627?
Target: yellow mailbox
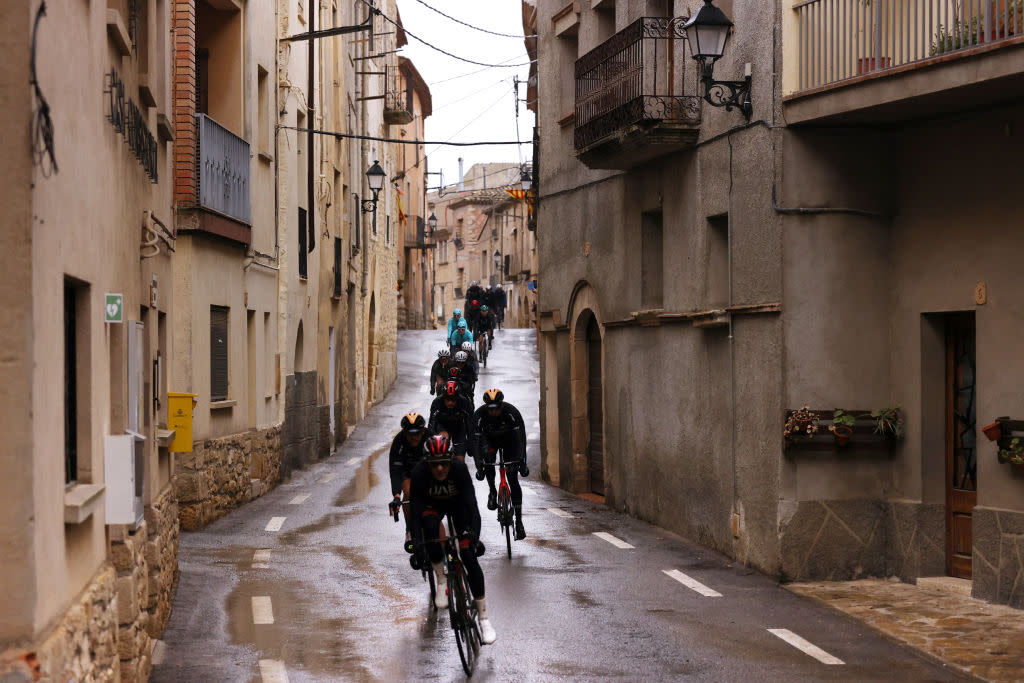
column 179, row 418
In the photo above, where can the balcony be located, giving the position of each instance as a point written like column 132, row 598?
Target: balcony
column 397, row 98
column 630, row 102
column 224, row 204
column 949, row 55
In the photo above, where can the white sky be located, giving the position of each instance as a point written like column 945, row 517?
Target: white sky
column 480, row 106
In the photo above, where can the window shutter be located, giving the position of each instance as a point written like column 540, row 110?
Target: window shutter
column 218, row 353
column 303, row 270
column 337, row 266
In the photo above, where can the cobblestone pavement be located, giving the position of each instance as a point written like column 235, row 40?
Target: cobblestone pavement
column 975, row 636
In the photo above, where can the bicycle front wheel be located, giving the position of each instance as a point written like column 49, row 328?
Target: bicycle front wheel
column 467, row 637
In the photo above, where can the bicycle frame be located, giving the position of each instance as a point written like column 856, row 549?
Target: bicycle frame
column 505, row 514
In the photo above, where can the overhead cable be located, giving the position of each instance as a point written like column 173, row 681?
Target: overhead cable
column 475, row 28
column 352, row 136
column 471, row 73
column 434, row 47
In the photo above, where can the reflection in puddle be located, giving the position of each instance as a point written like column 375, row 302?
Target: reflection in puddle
column 364, row 480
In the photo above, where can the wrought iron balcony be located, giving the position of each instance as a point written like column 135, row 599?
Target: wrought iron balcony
column 223, row 171
column 630, row 102
column 397, row 97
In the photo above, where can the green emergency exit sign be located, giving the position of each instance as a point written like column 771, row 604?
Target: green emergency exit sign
column 113, row 308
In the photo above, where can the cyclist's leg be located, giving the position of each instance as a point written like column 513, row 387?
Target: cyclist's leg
column 512, row 456
column 406, row 483
column 490, row 455
column 469, row 559
column 432, row 534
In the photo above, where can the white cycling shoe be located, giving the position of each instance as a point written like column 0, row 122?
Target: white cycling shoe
column 487, row 634
column 441, row 597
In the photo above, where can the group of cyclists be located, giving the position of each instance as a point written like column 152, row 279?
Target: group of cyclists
column 427, row 460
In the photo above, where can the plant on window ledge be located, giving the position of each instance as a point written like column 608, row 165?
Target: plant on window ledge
column 842, row 426
column 889, row 422
column 800, row 422
column 1013, row 453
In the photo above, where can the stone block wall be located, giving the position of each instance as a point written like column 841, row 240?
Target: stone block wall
column 221, row 474
column 300, row 433
column 83, row 646
column 841, row 540
column 128, row 554
column 998, row 546
column 161, row 554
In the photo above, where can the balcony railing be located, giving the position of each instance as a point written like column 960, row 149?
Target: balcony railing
column 842, row 39
column 223, row 171
column 397, row 97
column 635, row 78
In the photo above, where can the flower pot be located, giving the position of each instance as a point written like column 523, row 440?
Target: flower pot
column 993, row 431
column 868, row 64
column 842, row 434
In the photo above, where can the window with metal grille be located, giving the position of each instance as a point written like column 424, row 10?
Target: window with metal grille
column 303, row 270
column 337, row 266
column 219, row 353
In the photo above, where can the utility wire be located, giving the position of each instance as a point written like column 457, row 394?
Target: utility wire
column 352, row 136
column 475, row 119
column 434, row 47
column 471, row 73
column 466, row 97
column 475, row 28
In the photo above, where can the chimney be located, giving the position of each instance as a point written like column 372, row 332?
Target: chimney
column 461, row 186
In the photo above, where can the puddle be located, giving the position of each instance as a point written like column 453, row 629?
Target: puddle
column 325, row 523
column 573, row 558
column 364, row 480
column 583, row 599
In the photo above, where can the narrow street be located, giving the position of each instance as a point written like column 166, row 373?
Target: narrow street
column 310, row 583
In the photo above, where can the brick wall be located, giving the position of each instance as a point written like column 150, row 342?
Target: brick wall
column 186, row 177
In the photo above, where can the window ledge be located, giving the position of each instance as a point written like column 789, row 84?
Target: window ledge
column 221, row 405
column 267, row 157
column 118, row 32
column 80, row 501
column 164, row 437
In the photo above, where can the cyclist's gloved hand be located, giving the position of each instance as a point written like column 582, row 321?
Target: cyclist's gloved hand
column 480, row 476
column 524, row 470
column 414, row 561
column 409, row 546
column 478, row 548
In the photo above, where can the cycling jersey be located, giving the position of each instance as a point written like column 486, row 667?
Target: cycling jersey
column 453, row 323
column 485, row 323
column 439, row 370
column 401, row 460
column 459, row 336
column 456, row 421
column 505, row 427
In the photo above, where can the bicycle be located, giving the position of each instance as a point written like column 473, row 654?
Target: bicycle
column 419, row 552
column 505, row 512
column 482, row 347
column 462, row 612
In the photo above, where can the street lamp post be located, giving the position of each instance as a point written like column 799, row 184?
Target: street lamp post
column 375, row 176
column 707, row 32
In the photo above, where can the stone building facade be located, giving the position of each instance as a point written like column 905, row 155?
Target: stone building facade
column 88, row 543
column 844, row 248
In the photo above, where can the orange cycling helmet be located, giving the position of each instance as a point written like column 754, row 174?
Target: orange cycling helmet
column 493, row 398
column 413, row 423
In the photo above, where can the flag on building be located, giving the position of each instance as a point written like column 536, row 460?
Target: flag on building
column 401, row 211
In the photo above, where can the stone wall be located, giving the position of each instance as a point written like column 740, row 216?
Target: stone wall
column 221, row 474
column 128, row 553
column 840, row 540
column 998, row 545
column 161, row 552
column 300, row 433
column 83, row 646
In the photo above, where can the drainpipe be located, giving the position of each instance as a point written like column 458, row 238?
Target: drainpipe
column 461, row 186
column 314, row 7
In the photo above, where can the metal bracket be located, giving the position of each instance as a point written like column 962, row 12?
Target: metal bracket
column 727, row 94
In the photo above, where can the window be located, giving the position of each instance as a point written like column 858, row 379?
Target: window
column 70, row 386
column 387, row 229
column 651, row 260
column 301, row 229
column 202, row 81
column 263, row 145
column 718, row 261
column 268, row 357
column 440, row 307
column 337, row 266
column 355, row 238
column 219, row 353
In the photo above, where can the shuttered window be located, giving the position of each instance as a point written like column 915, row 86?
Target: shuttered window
column 70, row 388
column 218, row 353
column 337, row 266
column 303, row 270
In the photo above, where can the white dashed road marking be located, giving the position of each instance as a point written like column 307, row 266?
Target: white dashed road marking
column 805, row 646
column 528, row 491
column 273, row 671
column 617, row 542
column 692, row 583
column 261, row 558
column 561, row 513
column 299, row 499
column 274, row 524
column 262, row 610
column 353, row 461
column 326, row 478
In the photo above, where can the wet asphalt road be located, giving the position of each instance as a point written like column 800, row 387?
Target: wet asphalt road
column 339, row 602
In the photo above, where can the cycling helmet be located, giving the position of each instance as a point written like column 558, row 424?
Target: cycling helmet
column 462, row 324
column 444, row 353
column 461, row 357
column 437, row 449
column 451, row 388
column 483, row 309
column 467, row 346
column 413, row 423
column 493, row 398
column 457, row 311
column 473, row 283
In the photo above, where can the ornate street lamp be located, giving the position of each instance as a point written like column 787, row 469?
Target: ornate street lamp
column 375, row 176
column 432, row 222
column 525, row 179
column 707, row 32
column 497, row 261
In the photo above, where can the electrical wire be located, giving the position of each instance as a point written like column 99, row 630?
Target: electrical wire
column 471, row 73
column 353, row 136
column 437, row 49
column 466, row 97
column 475, row 28
column 474, row 120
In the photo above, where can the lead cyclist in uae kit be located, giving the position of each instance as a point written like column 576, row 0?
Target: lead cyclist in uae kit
column 441, row 485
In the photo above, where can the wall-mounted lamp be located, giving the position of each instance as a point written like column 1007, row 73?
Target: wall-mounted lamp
column 707, row 32
column 375, row 176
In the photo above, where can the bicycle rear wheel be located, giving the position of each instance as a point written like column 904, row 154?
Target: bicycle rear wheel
column 505, row 517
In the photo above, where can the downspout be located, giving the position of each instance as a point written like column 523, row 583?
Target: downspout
column 314, row 7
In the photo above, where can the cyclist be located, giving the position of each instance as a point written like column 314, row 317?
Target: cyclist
column 441, row 485
column 471, row 357
column 486, row 324
column 488, row 298
column 451, row 415
column 464, row 372
column 474, row 292
column 406, row 451
column 460, row 335
column 453, row 321
column 500, row 303
column 498, row 424
column 473, row 315
column 439, row 370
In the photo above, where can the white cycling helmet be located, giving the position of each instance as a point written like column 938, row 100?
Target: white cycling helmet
column 467, row 346
column 444, row 353
column 461, row 357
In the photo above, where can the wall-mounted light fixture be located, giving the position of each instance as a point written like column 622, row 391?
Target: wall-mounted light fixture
column 707, row 32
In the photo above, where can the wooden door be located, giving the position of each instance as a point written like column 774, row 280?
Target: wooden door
column 595, row 411
column 961, row 447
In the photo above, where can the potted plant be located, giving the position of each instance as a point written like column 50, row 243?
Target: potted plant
column 994, row 431
column 842, row 427
column 802, row 422
column 888, row 422
column 1013, row 453
column 875, row 60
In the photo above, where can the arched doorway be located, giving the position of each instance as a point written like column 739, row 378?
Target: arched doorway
column 595, row 411
column 587, row 394
column 299, row 355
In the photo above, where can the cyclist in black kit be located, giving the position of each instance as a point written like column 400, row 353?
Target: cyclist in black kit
column 441, row 485
column 439, row 370
column 498, row 424
column 406, row 451
column 451, row 415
